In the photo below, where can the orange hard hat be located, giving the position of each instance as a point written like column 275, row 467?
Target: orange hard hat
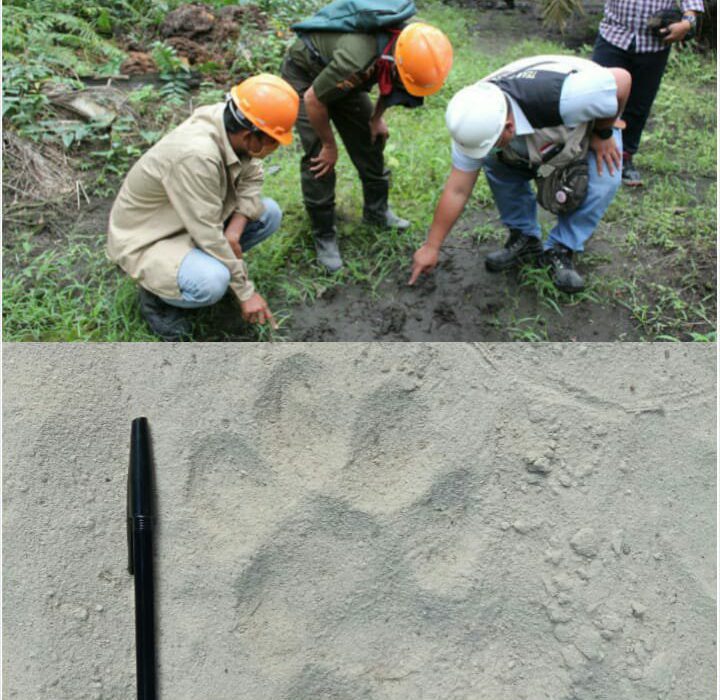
column 423, row 55
column 269, row 103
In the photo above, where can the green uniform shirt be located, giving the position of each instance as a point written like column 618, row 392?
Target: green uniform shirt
column 351, row 62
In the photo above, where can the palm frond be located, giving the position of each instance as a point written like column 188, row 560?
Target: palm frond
column 556, row 13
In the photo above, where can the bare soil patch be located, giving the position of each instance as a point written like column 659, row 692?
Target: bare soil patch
column 200, row 34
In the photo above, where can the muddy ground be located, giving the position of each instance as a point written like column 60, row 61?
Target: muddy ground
column 460, row 301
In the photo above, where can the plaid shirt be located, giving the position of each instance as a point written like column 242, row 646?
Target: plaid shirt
column 625, row 20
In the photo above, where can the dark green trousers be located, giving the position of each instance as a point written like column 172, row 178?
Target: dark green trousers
column 351, row 117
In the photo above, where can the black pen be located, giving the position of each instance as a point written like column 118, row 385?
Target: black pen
column 140, row 554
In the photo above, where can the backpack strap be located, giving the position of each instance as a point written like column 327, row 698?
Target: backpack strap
column 575, row 148
column 314, row 53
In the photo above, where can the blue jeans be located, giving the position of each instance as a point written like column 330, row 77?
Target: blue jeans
column 203, row 279
column 517, row 205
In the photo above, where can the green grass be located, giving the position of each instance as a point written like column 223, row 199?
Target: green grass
column 69, row 291
column 45, row 298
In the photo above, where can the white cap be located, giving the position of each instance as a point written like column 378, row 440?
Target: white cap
column 476, row 117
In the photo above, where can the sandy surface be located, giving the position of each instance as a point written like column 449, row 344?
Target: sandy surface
column 385, row 522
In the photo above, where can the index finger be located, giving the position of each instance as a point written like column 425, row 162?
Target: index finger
column 271, row 318
column 417, row 269
column 321, row 173
column 609, row 163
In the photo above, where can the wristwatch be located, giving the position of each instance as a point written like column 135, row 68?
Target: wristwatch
column 604, row 134
column 692, row 19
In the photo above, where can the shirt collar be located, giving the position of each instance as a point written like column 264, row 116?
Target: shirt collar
column 522, row 125
column 229, row 155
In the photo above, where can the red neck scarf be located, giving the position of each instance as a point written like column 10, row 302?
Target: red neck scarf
column 384, row 65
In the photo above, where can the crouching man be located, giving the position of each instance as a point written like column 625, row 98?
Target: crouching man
column 191, row 206
column 548, row 118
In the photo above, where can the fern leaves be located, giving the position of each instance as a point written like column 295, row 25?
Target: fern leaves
column 40, row 31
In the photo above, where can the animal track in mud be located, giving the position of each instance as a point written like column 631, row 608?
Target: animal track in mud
column 494, row 558
column 225, row 458
column 391, row 436
column 304, row 548
column 315, row 681
column 289, row 382
column 296, row 421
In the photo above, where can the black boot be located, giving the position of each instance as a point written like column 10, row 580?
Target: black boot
column 376, row 211
column 389, row 219
column 325, row 234
column 518, row 249
column 169, row 322
column 564, row 275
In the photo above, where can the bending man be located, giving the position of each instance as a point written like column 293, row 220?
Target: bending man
column 333, row 71
column 191, row 206
column 510, row 124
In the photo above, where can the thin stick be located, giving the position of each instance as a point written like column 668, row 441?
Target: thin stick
column 85, row 194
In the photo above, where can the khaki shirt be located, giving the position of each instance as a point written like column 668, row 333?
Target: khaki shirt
column 177, row 197
column 351, row 63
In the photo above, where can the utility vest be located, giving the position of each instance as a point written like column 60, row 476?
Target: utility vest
column 556, row 154
column 536, row 84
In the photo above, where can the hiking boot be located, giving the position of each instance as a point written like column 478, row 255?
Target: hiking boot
column 389, row 220
column 168, row 322
column 564, row 275
column 630, row 174
column 325, row 235
column 518, row 249
column 328, row 253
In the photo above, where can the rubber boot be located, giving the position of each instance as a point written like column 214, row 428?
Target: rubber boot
column 325, row 235
column 376, row 211
column 630, row 174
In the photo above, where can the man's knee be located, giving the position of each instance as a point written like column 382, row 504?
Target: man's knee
column 606, row 185
column 272, row 217
column 211, row 287
column 202, row 279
